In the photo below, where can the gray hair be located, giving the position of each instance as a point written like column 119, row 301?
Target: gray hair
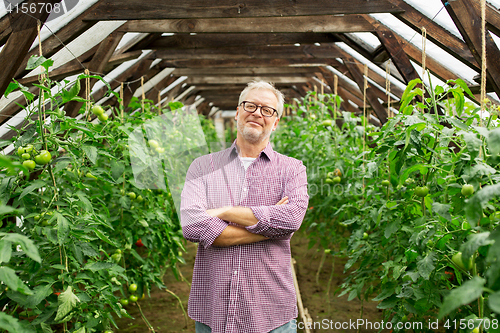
column 254, row 85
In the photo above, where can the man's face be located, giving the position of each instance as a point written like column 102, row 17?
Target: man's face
column 254, row 127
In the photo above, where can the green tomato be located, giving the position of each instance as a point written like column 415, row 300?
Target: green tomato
column 330, row 175
column 20, row 151
column 118, row 251
column 153, row 144
column 124, row 301
column 43, row 158
column 26, row 156
column 467, row 190
column 89, row 175
column 108, row 331
column 329, row 181
column 97, row 110
column 45, row 223
column 116, row 257
column 131, row 195
column 336, row 180
column 326, row 122
column 133, row 298
column 404, row 319
column 132, row 288
column 365, row 235
column 385, row 182
column 103, row 117
column 458, row 261
column 422, row 191
column 494, row 216
column 140, row 198
column 29, row 164
column 36, row 218
column 28, row 148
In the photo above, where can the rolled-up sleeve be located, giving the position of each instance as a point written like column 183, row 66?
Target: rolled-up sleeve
column 197, row 225
column 282, row 220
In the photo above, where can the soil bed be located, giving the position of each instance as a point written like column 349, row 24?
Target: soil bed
column 164, row 313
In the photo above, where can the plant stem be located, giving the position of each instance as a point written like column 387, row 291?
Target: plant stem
column 320, row 266
column 180, row 302
column 151, row 329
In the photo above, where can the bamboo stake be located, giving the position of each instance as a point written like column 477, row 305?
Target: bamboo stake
column 299, row 298
column 121, row 100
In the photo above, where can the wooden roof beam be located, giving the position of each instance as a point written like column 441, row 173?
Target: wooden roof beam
column 176, row 9
column 211, row 40
column 247, row 62
column 435, row 33
column 285, row 24
column 254, row 52
column 24, row 32
column 244, row 71
column 468, row 22
column 96, row 65
column 63, row 36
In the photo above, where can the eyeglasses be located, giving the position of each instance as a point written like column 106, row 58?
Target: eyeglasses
column 266, row 111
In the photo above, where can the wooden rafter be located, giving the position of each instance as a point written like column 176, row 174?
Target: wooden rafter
column 96, row 65
column 184, row 41
column 158, row 9
column 285, row 24
column 24, row 32
column 254, row 52
column 435, row 33
column 468, row 22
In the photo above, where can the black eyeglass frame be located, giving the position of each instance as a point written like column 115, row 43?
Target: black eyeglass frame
column 259, row 106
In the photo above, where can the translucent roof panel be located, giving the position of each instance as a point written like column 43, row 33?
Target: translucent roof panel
column 431, row 49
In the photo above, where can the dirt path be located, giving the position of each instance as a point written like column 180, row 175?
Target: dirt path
column 164, row 312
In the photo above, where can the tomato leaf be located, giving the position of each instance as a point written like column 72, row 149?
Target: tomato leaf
column 10, row 324
column 97, row 266
column 12, row 86
column 33, row 186
column 67, row 302
column 63, row 228
column 494, row 302
column 26, row 244
column 5, row 250
column 494, row 141
column 442, row 210
column 474, row 207
column 68, row 95
column 475, row 241
column 91, row 153
column 426, row 265
column 9, row 277
column 465, row 294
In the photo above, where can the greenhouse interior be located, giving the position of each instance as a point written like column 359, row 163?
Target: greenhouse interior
column 365, row 196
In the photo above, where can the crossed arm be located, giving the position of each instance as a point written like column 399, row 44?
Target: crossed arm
column 233, row 235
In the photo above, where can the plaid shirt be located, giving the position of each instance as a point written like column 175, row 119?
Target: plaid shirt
column 243, row 288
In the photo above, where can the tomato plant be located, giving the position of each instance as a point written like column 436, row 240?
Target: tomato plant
column 73, row 220
column 424, row 153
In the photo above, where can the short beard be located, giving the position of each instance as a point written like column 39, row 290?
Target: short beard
column 251, row 136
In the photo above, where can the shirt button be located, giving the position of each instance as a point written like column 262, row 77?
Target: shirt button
column 235, row 272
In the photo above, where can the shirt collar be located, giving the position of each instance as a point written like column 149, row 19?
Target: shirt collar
column 268, row 151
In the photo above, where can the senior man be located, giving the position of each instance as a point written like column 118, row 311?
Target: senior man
column 242, row 205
